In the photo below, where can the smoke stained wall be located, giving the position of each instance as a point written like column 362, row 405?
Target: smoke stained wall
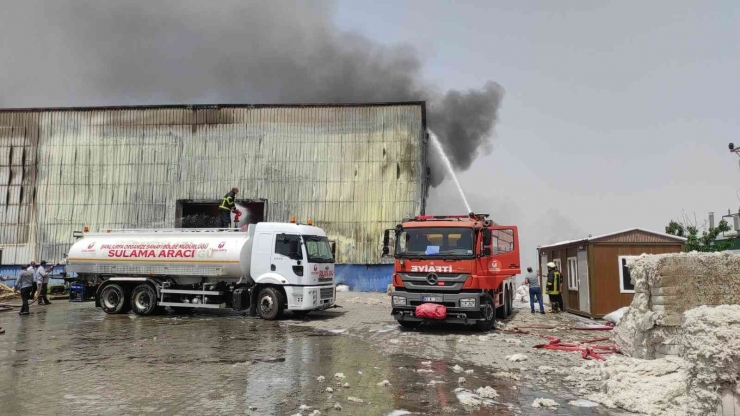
column 104, row 52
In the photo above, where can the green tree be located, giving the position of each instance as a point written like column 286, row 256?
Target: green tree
column 706, row 242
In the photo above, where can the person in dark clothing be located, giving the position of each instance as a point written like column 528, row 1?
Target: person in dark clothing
column 554, row 288
column 24, row 283
column 226, row 208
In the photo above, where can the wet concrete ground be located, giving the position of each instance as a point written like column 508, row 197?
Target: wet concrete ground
column 71, row 358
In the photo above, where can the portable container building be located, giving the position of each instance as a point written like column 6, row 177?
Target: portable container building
column 596, row 279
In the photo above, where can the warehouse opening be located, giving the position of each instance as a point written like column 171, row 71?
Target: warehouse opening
column 204, row 213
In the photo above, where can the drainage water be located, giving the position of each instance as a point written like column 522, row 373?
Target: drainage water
column 437, row 145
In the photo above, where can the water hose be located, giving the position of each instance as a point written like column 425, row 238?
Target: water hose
column 5, row 307
column 588, row 352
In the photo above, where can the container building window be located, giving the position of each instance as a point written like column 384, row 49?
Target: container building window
column 572, row 273
column 625, row 280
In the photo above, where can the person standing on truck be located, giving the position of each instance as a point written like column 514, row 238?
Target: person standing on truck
column 227, row 207
column 43, row 273
column 554, row 288
column 24, row 283
column 535, row 291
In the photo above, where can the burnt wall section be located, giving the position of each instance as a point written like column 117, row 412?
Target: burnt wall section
column 18, row 146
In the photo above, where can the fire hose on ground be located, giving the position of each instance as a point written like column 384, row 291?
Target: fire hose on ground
column 588, row 352
column 5, row 307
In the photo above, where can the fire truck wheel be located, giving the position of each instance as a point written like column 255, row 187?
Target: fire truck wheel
column 510, row 303
column 144, row 300
column 113, row 299
column 505, row 309
column 488, row 312
column 501, row 310
column 270, row 304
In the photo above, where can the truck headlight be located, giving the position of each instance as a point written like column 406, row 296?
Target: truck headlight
column 467, row 303
column 399, row 300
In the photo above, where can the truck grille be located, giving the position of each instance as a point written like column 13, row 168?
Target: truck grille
column 446, row 282
column 326, row 293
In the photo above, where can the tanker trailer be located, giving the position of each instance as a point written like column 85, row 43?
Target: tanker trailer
column 269, row 268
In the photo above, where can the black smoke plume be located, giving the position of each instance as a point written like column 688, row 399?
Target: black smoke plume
column 137, row 52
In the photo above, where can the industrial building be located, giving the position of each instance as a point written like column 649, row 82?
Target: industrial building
column 355, row 170
column 596, row 280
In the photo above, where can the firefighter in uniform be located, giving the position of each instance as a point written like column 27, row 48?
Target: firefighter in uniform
column 554, row 288
column 226, row 208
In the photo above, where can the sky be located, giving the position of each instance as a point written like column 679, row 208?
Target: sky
column 614, row 114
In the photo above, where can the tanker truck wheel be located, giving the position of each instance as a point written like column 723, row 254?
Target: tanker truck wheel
column 270, row 304
column 113, row 299
column 488, row 313
column 144, row 300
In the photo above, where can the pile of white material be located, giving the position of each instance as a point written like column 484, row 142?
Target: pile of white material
column 616, row 316
column 711, row 347
column 548, row 403
column 522, row 293
column 514, row 358
column 692, row 383
column 654, row 387
column 487, row 392
column 471, row 401
column 666, row 286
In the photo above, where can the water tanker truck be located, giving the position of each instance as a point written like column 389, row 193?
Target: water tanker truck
column 266, row 269
column 464, row 262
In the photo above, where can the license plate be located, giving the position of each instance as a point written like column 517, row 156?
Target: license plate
column 431, row 299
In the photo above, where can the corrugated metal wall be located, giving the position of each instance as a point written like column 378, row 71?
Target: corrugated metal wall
column 355, row 170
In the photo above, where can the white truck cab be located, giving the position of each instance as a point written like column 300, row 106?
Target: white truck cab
column 298, row 258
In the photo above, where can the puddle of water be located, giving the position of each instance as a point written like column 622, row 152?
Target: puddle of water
column 228, row 364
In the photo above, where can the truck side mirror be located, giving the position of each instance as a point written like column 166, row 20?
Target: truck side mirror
column 486, row 251
column 333, row 246
column 486, row 237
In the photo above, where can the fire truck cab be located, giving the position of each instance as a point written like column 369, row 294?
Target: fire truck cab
column 464, row 262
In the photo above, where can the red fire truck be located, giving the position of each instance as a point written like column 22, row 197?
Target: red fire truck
column 464, row 262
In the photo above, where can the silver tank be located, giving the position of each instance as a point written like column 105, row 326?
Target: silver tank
column 215, row 254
